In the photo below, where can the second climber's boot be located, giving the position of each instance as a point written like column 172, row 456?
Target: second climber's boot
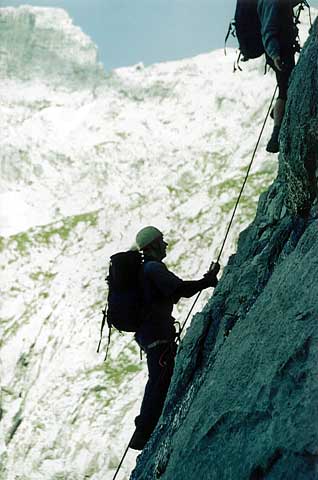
column 273, row 144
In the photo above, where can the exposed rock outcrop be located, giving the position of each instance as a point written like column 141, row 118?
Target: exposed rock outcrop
column 243, row 403
column 299, row 159
column 44, row 45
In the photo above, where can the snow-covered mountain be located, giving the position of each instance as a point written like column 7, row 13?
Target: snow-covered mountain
column 87, row 158
column 43, row 46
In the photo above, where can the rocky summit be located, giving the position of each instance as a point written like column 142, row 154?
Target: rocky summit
column 243, row 403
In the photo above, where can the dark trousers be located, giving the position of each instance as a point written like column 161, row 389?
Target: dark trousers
column 282, row 78
column 160, row 361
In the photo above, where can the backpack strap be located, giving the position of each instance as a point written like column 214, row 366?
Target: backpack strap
column 230, row 31
column 108, row 341
column 104, row 312
column 105, row 317
column 102, row 327
column 236, row 65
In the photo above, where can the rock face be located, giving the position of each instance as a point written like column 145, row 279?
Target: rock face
column 243, row 403
column 298, row 165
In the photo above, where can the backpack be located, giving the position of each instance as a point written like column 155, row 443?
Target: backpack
column 124, row 302
column 246, row 27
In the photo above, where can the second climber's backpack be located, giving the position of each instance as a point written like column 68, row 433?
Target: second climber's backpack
column 248, row 29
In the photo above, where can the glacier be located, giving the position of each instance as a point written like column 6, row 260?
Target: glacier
column 87, row 158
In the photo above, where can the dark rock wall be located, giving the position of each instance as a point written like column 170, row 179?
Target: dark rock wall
column 243, row 403
column 299, row 159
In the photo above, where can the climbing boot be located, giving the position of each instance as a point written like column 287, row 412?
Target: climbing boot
column 273, row 144
column 139, row 439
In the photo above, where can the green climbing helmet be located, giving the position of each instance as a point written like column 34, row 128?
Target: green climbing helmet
column 147, row 235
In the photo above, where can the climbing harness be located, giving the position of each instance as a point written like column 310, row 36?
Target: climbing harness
column 104, row 312
column 167, row 354
column 162, row 359
column 236, row 204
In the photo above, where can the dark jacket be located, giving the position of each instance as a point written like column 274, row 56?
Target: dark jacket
column 159, row 285
column 277, row 27
column 161, row 290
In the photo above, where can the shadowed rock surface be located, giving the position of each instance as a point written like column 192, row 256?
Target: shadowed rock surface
column 243, row 403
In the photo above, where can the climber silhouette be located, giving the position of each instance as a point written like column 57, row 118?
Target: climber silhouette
column 157, row 334
column 279, row 35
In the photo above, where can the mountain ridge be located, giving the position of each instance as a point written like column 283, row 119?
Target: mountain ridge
column 32, row 50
